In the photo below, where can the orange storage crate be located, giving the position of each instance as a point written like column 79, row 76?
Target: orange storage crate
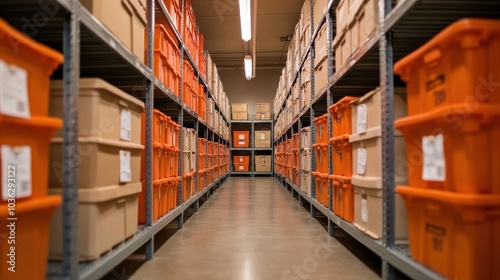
column 296, row 163
column 158, row 125
column 174, row 11
column 161, row 68
column 241, row 167
column 343, row 197
column 163, row 208
column 454, row 234
column 202, row 103
column 202, row 179
column 341, row 156
column 321, row 129
column 173, row 162
column 295, row 141
column 455, row 66
column 158, row 164
column 241, row 139
column 189, row 75
column 341, row 116
column 296, row 176
column 194, row 99
column 157, row 185
column 172, row 192
column 210, row 175
column 202, row 161
column 174, row 82
column 34, row 133
column 321, row 157
column 190, row 31
column 172, row 134
column 37, row 60
column 321, row 187
column 462, row 152
column 210, row 147
column 241, row 159
column 32, row 229
column 202, row 145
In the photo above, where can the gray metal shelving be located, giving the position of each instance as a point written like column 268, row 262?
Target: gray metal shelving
column 402, row 28
column 252, row 150
column 91, row 50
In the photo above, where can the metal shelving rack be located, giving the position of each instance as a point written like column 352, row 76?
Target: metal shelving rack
column 91, row 50
column 401, row 29
column 252, row 149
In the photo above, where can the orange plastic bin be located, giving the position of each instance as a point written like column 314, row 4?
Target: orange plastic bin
column 341, row 116
column 321, row 128
column 454, row 234
column 38, row 61
column 343, row 197
column 341, row 156
column 321, row 188
column 321, row 157
column 457, row 65
column 28, row 137
column 32, row 229
column 454, row 148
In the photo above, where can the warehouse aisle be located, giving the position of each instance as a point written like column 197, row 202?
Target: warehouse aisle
column 249, row 229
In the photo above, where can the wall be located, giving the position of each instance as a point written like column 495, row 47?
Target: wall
column 260, row 89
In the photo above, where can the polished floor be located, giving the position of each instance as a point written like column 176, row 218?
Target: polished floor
column 252, row 228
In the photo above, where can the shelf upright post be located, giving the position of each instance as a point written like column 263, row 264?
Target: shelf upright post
column 388, row 164
column 293, row 159
column 196, row 128
column 330, row 91
column 180, row 219
column 71, row 75
column 149, row 124
column 313, row 125
column 206, row 156
column 299, row 124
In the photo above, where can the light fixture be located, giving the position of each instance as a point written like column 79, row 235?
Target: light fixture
column 248, row 67
column 245, row 18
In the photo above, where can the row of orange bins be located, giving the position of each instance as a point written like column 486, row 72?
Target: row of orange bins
column 165, row 147
column 452, row 134
column 165, row 198
column 26, row 131
column 167, row 57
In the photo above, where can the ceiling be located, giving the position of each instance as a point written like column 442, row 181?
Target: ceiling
column 219, row 22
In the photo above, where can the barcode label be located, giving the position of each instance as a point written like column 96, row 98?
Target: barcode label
column 126, row 124
column 434, row 159
column 125, row 171
column 14, row 100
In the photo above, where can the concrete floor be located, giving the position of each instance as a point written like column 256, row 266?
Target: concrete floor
column 252, row 228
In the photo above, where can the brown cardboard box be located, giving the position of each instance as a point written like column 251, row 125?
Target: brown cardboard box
column 128, row 22
column 262, row 107
column 318, row 8
column 263, row 160
column 239, row 107
column 320, row 46
column 263, row 167
column 262, row 135
column 263, row 116
column 320, row 75
column 240, row 116
column 263, row 143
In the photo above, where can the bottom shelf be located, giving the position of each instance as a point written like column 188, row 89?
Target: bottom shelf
column 398, row 256
column 99, row 268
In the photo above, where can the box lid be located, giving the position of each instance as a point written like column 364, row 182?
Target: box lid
column 101, row 141
column 104, row 193
column 95, row 84
column 370, row 133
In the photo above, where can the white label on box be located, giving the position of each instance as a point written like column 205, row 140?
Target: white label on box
column 364, row 210
column 14, row 100
column 241, row 159
column 263, row 136
column 362, row 158
column 241, row 143
column 241, row 167
column 125, row 171
column 126, row 125
column 362, row 118
column 241, row 137
column 16, row 172
column 434, row 160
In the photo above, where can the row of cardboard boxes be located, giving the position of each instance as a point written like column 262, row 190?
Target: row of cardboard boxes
column 445, row 159
column 111, row 138
column 262, row 163
column 240, row 111
column 129, row 23
column 261, row 139
column 356, row 21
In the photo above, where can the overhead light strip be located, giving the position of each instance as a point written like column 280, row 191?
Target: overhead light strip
column 248, row 67
column 246, row 20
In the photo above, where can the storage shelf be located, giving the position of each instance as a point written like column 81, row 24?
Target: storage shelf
column 241, row 149
column 99, row 268
column 398, row 257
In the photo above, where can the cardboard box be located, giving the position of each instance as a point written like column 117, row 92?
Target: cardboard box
column 306, row 159
column 263, row 167
column 240, row 116
column 262, row 107
column 259, row 159
column 319, row 7
column 296, row 107
column 263, row 116
column 128, row 22
column 305, row 182
column 321, row 75
column 320, row 45
column 239, row 107
column 262, row 135
column 305, row 137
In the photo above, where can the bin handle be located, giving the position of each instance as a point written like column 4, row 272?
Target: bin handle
column 432, row 56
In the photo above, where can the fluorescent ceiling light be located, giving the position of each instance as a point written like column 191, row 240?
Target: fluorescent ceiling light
column 248, row 67
column 245, row 18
